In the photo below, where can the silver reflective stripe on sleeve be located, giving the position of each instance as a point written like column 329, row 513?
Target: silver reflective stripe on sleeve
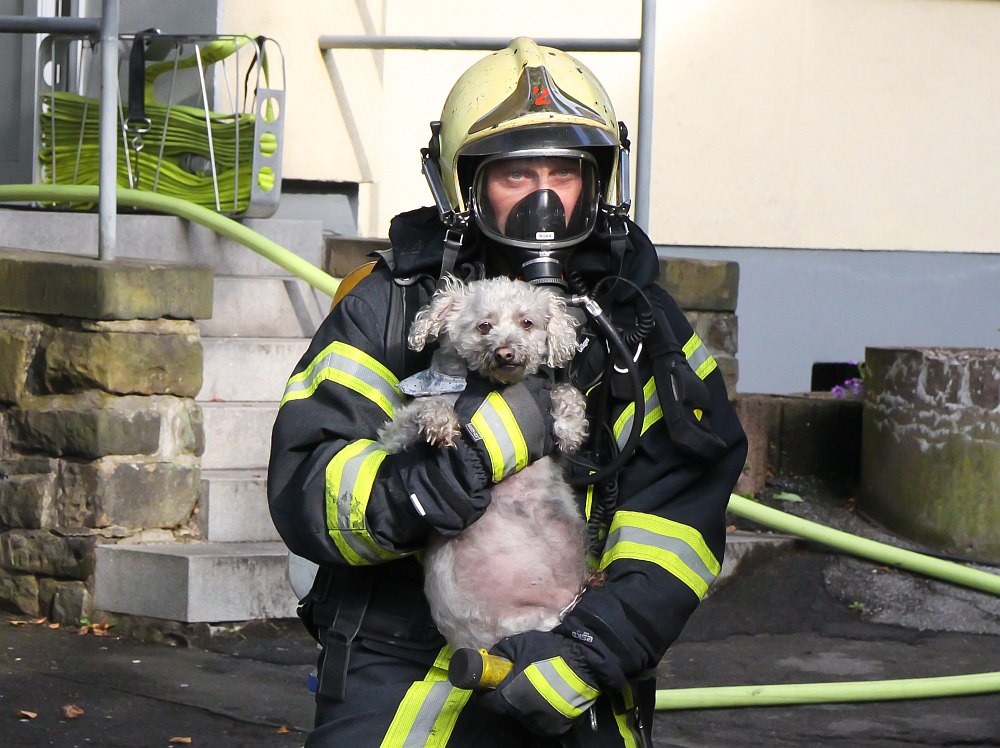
column 494, row 425
column 550, row 684
column 678, row 548
column 349, row 479
column 699, row 357
column 352, row 368
column 653, row 413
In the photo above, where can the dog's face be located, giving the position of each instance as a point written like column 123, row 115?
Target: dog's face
column 502, row 329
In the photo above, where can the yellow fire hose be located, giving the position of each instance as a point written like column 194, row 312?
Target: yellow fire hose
column 478, row 669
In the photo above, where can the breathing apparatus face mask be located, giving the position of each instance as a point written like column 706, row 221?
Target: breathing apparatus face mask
column 544, row 200
column 537, row 203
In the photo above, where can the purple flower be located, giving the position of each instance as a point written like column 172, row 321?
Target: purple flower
column 854, row 387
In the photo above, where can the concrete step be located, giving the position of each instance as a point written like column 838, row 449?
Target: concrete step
column 264, row 307
column 195, row 582
column 747, row 550
column 233, row 507
column 248, row 369
column 237, row 435
column 164, row 239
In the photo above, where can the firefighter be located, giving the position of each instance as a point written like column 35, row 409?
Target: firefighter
column 528, row 168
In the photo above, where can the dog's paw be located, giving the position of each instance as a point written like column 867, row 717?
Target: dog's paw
column 439, row 428
column 568, row 439
column 569, row 412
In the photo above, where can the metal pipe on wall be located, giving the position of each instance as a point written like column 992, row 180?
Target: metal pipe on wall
column 37, row 25
column 107, row 30
column 107, row 206
column 644, row 133
column 477, row 43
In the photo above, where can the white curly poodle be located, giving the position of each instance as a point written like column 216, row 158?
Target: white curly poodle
column 523, row 563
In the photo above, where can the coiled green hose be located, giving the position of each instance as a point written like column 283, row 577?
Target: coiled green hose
column 69, row 152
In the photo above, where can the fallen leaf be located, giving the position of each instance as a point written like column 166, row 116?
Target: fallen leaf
column 180, row 741
column 788, row 496
column 53, row 625
column 282, row 730
column 71, row 711
column 39, row 620
column 97, row 629
column 25, row 714
column 18, row 623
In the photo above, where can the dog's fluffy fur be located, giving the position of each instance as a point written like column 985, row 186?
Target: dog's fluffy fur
column 524, row 561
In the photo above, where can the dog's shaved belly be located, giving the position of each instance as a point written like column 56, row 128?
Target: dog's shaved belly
column 515, row 569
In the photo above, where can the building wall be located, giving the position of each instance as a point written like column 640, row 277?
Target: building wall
column 843, row 124
column 830, row 124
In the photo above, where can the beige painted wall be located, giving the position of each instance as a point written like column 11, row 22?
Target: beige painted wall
column 829, row 123
column 864, row 124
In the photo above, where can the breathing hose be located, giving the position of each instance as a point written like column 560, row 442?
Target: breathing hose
column 182, row 209
column 596, row 313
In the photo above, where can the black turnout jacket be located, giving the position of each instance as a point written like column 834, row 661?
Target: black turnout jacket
column 340, row 501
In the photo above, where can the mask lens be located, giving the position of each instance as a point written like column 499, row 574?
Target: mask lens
column 536, row 201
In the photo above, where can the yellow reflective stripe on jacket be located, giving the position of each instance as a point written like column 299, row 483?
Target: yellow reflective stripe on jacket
column 349, row 478
column 626, row 721
column 653, row 413
column 501, row 436
column 677, row 548
column 428, row 712
column 698, row 357
column 351, row 367
column 563, row 689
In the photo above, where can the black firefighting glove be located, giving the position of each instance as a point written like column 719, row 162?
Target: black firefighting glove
column 509, row 426
column 551, row 684
column 446, row 486
column 504, row 428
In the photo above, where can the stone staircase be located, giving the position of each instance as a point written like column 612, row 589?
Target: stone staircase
column 260, row 326
column 237, row 569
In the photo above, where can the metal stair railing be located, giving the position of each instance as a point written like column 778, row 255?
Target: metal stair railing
column 106, row 28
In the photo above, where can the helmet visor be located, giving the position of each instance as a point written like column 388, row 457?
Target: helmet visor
column 537, row 200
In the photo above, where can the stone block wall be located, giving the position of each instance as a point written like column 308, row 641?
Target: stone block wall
column 707, row 291
column 809, row 435
column 100, row 435
column 930, row 467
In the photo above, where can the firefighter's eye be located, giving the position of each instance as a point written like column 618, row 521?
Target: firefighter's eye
column 484, row 327
column 527, row 324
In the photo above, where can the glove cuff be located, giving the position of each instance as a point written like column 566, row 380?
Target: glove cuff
column 593, row 625
column 548, row 695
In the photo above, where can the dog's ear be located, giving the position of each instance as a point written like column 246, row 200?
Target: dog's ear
column 562, row 333
column 429, row 321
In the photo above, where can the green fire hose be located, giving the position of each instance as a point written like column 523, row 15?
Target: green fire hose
column 668, row 699
column 856, row 691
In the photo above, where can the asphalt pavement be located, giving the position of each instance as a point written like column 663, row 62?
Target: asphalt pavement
column 801, row 616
